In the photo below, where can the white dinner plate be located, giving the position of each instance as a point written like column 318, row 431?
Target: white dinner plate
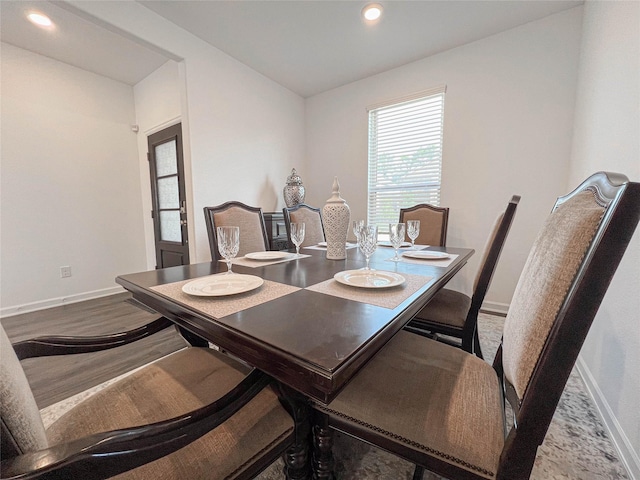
column 266, row 256
column 369, row 278
column 222, row 285
column 426, row 255
column 324, row 244
column 388, row 244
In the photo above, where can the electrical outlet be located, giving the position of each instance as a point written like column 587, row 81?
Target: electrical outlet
column 65, row 272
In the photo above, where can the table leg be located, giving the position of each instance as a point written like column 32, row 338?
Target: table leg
column 322, row 457
column 296, row 458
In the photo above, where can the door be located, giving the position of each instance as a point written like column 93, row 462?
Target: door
column 169, row 212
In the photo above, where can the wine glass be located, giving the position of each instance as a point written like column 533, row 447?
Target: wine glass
column 297, row 235
column 413, row 230
column 368, row 241
column 396, row 235
column 228, row 243
column 357, row 226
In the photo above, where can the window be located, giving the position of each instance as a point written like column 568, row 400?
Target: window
column 405, row 155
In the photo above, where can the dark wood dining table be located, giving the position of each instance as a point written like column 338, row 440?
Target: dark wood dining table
column 308, row 339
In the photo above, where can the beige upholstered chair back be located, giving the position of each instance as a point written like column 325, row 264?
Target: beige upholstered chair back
column 549, row 271
column 569, row 268
column 487, row 247
column 313, row 231
column 433, row 223
column 22, row 427
column 251, row 238
column 253, row 235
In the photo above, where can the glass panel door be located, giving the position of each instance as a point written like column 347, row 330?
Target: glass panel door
column 169, row 198
column 168, row 192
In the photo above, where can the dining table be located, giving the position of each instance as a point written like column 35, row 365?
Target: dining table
column 308, row 322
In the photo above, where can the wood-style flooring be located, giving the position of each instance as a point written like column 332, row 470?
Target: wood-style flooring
column 55, row 378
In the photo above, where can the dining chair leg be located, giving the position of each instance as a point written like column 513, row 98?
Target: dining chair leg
column 418, row 473
column 322, row 457
column 476, row 344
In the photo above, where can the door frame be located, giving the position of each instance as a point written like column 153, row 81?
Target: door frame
column 165, row 133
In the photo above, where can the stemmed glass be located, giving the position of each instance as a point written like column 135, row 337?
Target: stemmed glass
column 297, row 235
column 368, row 241
column 228, row 243
column 396, row 235
column 413, row 230
column 357, row 226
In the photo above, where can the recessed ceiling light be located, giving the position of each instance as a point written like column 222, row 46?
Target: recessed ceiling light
column 372, row 12
column 39, row 19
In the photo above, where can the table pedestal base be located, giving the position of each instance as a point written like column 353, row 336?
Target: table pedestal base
column 296, row 457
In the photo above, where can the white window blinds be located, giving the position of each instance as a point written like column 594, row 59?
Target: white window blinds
column 405, row 155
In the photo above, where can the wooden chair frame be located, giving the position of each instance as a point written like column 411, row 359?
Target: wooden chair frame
column 444, row 211
column 104, row 455
column 534, row 410
column 469, row 332
column 209, row 213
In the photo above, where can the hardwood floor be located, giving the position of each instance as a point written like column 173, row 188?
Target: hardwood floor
column 55, row 378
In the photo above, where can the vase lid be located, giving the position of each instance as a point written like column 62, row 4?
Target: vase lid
column 335, row 194
column 294, row 178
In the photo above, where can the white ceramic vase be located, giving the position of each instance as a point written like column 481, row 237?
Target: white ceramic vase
column 335, row 217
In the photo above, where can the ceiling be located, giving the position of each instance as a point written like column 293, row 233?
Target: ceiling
column 307, row 46
column 78, row 41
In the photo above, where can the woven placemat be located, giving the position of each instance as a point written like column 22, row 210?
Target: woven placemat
column 381, row 297
column 219, row 307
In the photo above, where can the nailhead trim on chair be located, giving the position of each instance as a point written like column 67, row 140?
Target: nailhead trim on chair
column 411, row 443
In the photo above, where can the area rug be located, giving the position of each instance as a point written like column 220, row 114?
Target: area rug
column 577, row 446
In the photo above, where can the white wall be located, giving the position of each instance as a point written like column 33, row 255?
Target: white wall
column 607, row 137
column 70, row 182
column 75, row 188
column 246, row 132
column 507, row 130
column 158, row 105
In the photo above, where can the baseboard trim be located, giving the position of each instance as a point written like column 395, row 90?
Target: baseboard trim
column 495, row 308
column 628, row 456
column 56, row 302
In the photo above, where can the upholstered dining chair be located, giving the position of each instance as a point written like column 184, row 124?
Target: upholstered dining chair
column 194, row 414
column 443, row 408
column 312, row 219
column 453, row 314
column 253, row 231
column 433, row 223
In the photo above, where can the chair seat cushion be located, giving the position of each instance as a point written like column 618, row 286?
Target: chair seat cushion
column 448, row 308
column 174, row 385
column 430, row 399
